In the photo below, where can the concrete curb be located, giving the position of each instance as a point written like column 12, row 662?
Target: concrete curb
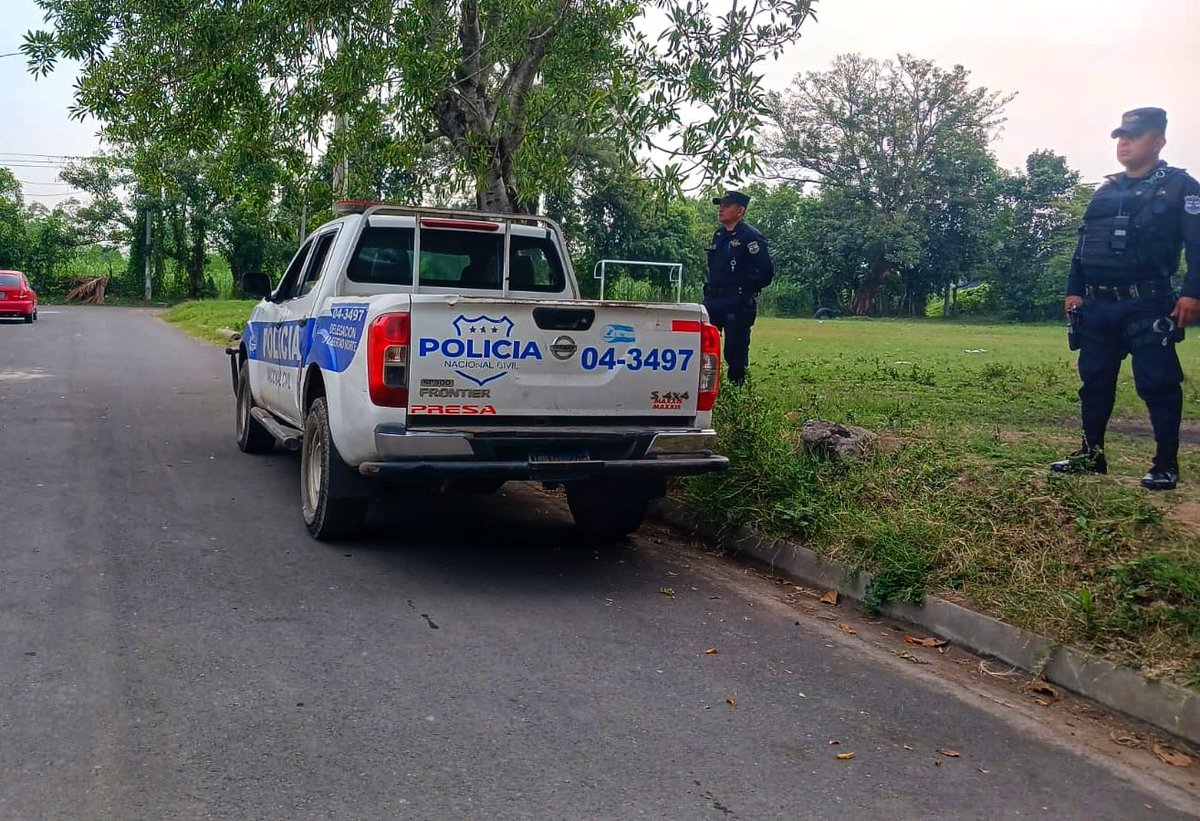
column 1167, row 706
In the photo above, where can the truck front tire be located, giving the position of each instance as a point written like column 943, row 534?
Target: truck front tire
column 332, row 510
column 251, row 436
column 607, row 509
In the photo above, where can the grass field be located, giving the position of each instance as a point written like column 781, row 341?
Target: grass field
column 960, row 502
column 212, row 319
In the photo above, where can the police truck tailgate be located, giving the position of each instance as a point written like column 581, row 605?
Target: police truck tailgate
column 573, row 363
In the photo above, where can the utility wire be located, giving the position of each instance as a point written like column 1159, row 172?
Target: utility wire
column 35, row 182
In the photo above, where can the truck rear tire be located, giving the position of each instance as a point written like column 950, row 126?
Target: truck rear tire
column 607, row 509
column 251, row 436
column 332, row 510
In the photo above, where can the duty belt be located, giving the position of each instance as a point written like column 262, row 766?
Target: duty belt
column 730, row 290
column 1129, row 290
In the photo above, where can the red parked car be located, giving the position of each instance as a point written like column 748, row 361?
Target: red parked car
column 16, row 297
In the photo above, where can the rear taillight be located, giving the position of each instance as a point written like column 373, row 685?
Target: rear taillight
column 710, row 366
column 387, row 360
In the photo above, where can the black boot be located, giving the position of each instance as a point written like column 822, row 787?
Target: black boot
column 1084, row 460
column 1161, row 478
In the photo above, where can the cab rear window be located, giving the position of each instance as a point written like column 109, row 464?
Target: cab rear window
column 457, row 259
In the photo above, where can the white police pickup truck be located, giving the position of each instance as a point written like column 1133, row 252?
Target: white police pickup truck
column 451, row 350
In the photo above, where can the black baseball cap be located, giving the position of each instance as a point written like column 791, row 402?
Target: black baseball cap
column 732, row 198
column 1140, row 120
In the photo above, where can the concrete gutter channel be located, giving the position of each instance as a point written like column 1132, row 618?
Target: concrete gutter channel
column 1167, row 706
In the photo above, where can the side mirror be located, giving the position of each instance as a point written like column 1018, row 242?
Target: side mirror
column 256, row 284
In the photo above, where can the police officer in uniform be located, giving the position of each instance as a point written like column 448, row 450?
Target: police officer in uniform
column 739, row 266
column 1119, row 294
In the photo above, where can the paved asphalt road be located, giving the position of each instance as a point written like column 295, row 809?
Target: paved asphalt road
column 173, row 645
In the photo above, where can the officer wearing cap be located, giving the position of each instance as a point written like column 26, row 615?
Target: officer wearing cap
column 739, row 266
column 1120, row 299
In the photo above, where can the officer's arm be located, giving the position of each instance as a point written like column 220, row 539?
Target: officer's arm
column 1190, row 232
column 764, row 266
column 1075, row 274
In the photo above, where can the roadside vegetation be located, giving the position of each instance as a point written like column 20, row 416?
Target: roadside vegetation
column 958, row 501
column 212, row 319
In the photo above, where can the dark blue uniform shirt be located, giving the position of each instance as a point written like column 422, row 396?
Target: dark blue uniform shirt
column 739, row 258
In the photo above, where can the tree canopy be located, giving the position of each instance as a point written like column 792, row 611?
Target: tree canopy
column 506, row 88
column 900, row 148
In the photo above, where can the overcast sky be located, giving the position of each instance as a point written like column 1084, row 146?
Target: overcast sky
column 1075, row 65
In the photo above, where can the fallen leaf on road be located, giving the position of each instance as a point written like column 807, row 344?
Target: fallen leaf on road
column 666, row 591
column 947, row 752
column 907, row 656
column 1041, row 702
column 937, row 762
column 801, row 695
column 1042, row 688
column 1169, row 755
column 847, row 629
column 827, row 616
column 608, row 602
column 906, row 746
column 830, row 598
column 925, row 642
column 833, row 743
column 985, row 772
column 712, row 651
column 731, row 701
column 845, row 756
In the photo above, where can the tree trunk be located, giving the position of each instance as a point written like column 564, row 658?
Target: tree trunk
column 865, row 296
column 946, row 301
column 478, row 111
column 492, row 191
column 196, row 257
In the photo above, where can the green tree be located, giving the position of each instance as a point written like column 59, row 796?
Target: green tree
column 14, row 241
column 787, row 217
column 1035, row 228
column 509, row 88
column 52, row 242
column 899, row 150
column 613, row 212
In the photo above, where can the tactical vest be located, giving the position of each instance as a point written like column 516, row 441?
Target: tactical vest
column 1130, row 228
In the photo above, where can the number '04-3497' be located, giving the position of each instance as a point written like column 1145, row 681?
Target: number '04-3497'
column 635, row 359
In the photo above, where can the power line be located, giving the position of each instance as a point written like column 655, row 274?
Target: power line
column 51, row 196
column 35, row 182
column 19, row 164
column 21, row 154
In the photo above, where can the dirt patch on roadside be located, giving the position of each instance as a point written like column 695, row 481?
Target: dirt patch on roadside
column 1189, row 431
column 1187, row 513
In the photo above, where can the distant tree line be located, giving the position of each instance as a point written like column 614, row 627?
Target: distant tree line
column 873, row 180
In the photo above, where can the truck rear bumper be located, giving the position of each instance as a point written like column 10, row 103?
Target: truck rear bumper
column 660, row 467
column 544, row 455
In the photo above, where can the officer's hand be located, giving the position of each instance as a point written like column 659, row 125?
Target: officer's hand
column 1071, row 302
column 1187, row 311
